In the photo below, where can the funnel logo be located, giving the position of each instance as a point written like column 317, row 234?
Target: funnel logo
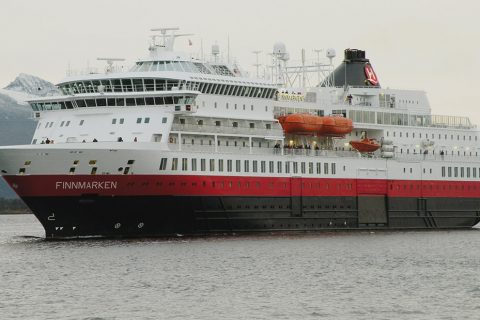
column 370, row 74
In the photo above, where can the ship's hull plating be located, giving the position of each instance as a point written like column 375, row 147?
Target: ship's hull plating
column 140, row 216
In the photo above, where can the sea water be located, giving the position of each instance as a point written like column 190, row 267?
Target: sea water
column 339, row 275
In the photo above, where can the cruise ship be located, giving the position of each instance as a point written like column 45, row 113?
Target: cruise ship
column 179, row 145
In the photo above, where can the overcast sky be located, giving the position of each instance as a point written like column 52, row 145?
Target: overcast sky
column 412, row 44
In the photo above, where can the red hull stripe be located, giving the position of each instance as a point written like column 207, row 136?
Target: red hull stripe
column 178, row 185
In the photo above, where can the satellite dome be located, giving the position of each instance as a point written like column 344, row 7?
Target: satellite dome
column 279, row 48
column 215, row 49
column 331, row 53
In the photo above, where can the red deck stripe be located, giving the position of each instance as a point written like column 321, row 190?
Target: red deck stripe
column 148, row 185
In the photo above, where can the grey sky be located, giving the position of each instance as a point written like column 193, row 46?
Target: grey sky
column 413, row 44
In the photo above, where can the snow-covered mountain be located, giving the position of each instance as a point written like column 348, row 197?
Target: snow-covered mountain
column 31, row 85
column 13, row 97
column 16, row 123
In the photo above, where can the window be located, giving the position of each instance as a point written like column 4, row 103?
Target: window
column 455, row 171
column 174, row 163
column 279, row 166
column 147, row 120
column 310, row 167
column 325, row 168
column 238, row 166
column 220, row 165
column 271, row 166
column 203, row 164
column 114, row 121
column 295, row 167
column 262, row 166
column 229, row 165
column 139, row 120
column 122, row 120
column 184, row 164
column 449, row 172
column 212, row 164
column 334, row 168
column 319, row 167
column 443, row 171
column 303, row 168
column 218, row 123
column 255, row 166
column 194, row 164
column 287, row 166
column 246, row 166
column 252, row 125
column 164, row 120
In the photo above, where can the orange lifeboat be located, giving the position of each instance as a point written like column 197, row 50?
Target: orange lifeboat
column 365, row 145
column 308, row 124
column 336, row 126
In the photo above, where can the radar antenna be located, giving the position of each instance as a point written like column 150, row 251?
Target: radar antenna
column 109, row 68
column 168, row 37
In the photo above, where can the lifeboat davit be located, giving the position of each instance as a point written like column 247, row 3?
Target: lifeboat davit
column 309, row 124
column 365, row 145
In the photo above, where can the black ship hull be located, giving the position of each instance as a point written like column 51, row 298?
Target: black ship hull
column 165, row 216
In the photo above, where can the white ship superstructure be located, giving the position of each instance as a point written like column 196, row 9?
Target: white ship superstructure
column 178, row 145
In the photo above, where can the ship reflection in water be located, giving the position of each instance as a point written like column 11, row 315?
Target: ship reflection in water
column 337, row 275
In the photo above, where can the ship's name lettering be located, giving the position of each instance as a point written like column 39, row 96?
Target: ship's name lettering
column 82, row 185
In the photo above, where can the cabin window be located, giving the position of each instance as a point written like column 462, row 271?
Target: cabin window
column 334, row 168
column 287, row 166
column 174, row 163
column 163, row 164
column 184, row 164
column 212, row 164
column 255, row 166
column 246, row 166
column 147, row 120
column 325, row 168
column 220, row 165
column 203, row 165
column 252, row 125
column 164, row 120
column 262, row 166
column 279, row 166
column 114, row 121
column 319, row 167
column 238, row 165
column 229, row 165
column 303, row 167
column 310, row 167
column 139, row 120
column 295, row 167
